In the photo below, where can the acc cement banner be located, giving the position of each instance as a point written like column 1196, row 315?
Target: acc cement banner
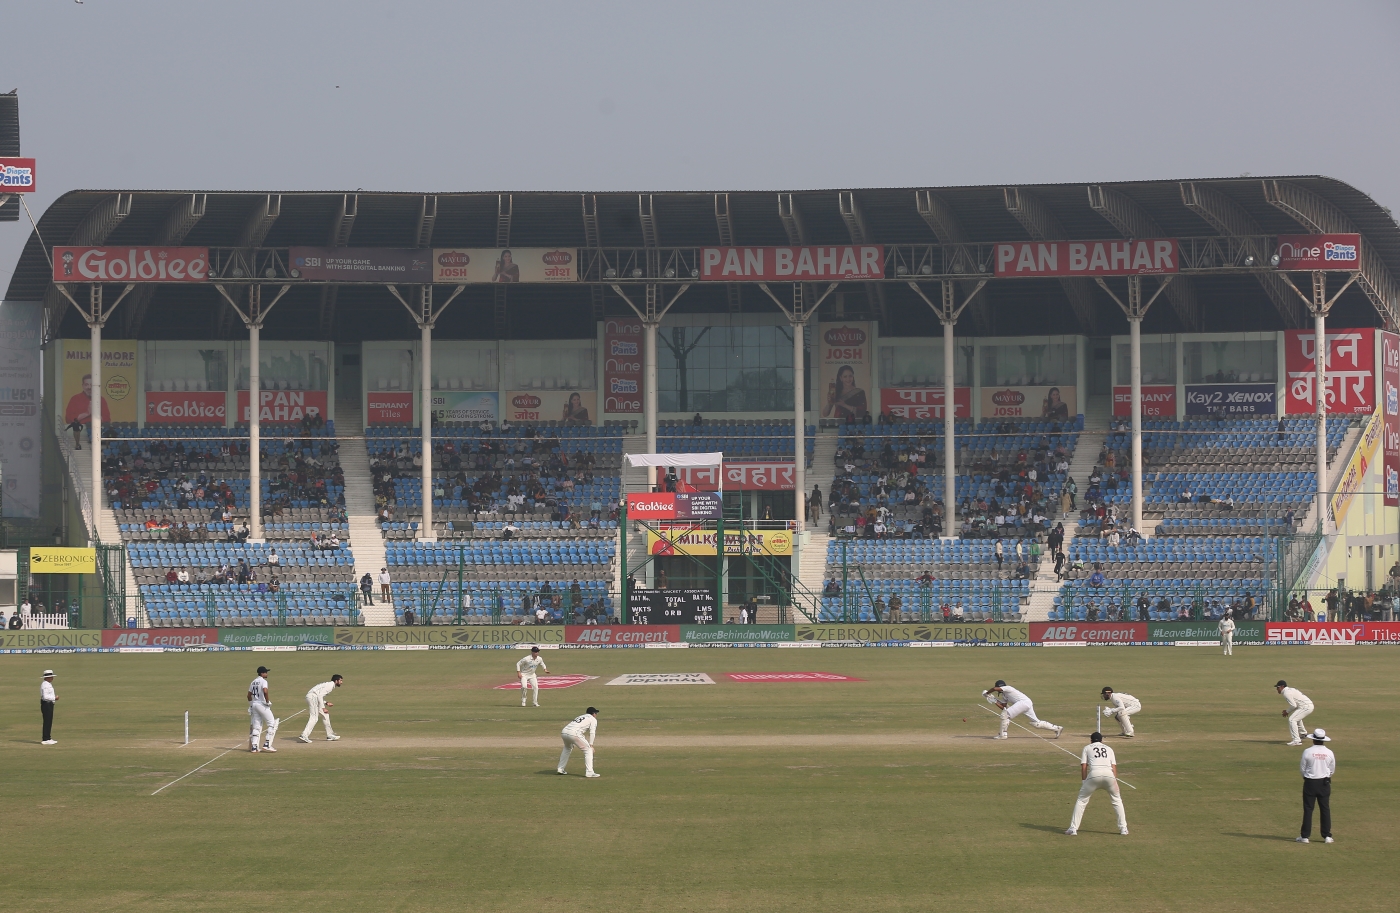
column 20, row 441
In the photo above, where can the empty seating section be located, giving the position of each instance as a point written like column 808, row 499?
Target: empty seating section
column 962, row 575
column 1010, row 477
column 1200, row 574
column 548, row 472
column 738, row 439
column 504, row 579
column 225, row 583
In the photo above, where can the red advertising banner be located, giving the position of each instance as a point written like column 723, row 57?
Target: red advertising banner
column 661, row 506
column 283, row 405
column 389, row 408
column 775, row 476
column 1157, row 401
column 788, row 264
column 130, row 264
column 146, row 637
column 1087, row 258
column 1351, row 363
column 1314, row 252
column 1088, row 632
column 1390, row 400
column 622, row 635
column 17, row 175
column 1324, row 633
column 1381, row 632
column 789, row 677
column 185, row 408
column 622, row 367
column 924, row 403
column 549, row 682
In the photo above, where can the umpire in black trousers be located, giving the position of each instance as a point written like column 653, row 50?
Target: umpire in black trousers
column 47, row 698
column 1318, row 766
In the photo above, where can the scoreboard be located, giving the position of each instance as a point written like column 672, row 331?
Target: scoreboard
column 671, row 607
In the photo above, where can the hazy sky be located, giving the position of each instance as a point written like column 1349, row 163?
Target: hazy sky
column 452, row 96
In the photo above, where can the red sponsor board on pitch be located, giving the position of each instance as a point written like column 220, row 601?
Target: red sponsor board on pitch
column 283, row 405
column 1314, row 632
column 924, row 403
column 1314, row 252
column 389, row 408
column 1111, row 632
column 146, row 637
column 789, row 677
column 1157, row 401
column 185, row 408
column 622, row 635
column 748, row 264
column 1351, row 363
column 548, row 682
column 1086, row 258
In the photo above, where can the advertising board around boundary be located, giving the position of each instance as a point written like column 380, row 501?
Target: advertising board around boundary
column 275, row 637
column 450, row 635
column 990, row 632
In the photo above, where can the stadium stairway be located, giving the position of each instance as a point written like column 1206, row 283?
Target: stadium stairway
column 1044, row 586
column 812, row 562
column 634, row 481
column 108, row 531
column 365, row 537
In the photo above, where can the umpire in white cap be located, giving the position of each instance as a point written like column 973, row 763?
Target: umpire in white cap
column 47, row 698
column 1318, row 766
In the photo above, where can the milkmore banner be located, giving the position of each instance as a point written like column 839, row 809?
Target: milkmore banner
column 21, row 444
column 120, row 381
column 1234, row 399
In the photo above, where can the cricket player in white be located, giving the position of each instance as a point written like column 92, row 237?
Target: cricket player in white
column 318, row 708
column 1098, row 769
column 1227, row 635
column 1299, row 706
column 260, row 712
column 1122, row 709
column 581, row 734
column 1013, row 703
column 526, row 670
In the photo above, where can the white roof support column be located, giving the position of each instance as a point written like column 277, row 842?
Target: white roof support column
column 426, row 317
column 1135, row 310
column 948, row 311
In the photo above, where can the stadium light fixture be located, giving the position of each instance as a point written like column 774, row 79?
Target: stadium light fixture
column 270, row 273
column 610, row 273
column 1273, row 261
column 901, row 270
column 237, row 272
column 295, row 273
column 636, row 272
column 694, row 273
column 926, row 269
column 670, row 272
column 1249, row 260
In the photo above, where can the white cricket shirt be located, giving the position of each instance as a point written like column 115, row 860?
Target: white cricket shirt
column 529, row 664
column 1011, row 696
column 321, row 691
column 1119, row 700
column 1099, row 757
column 1295, row 698
column 46, row 692
column 259, row 691
column 1227, row 625
column 1318, row 762
column 586, row 726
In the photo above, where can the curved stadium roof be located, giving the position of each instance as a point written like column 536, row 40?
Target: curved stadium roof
column 1267, row 206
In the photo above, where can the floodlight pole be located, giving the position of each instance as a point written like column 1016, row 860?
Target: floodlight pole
column 948, row 311
column 426, row 317
column 95, row 316
column 1135, row 310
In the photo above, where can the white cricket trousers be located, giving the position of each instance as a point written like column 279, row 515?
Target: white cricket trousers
column 1096, row 781
column 316, row 712
column 570, row 743
column 1227, row 642
column 1123, row 715
column 527, row 681
column 1018, row 708
column 1295, row 722
column 259, row 715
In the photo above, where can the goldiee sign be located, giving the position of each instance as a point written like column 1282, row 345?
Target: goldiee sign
column 938, row 633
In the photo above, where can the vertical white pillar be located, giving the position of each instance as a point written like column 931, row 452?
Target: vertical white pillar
column 426, row 532
column 255, row 426
column 799, row 419
column 1135, row 367
column 95, row 445
column 649, row 401
column 950, row 448
column 1320, row 394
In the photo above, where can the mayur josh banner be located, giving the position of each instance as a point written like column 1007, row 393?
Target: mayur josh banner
column 473, row 265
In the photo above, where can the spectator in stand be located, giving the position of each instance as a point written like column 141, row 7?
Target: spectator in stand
column 998, row 552
column 1096, row 580
column 1023, row 571
column 171, row 576
column 367, row 588
column 896, row 608
column 697, row 421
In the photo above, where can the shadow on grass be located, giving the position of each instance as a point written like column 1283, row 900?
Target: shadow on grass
column 1275, row 837
column 1049, row 829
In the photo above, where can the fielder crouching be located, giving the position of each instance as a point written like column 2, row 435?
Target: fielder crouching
column 1122, row 707
column 580, row 733
column 319, row 709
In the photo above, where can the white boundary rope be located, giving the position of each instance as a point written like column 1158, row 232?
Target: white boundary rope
column 215, row 758
column 1048, row 742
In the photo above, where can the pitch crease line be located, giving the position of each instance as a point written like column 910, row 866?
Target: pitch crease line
column 1048, row 742
column 212, row 760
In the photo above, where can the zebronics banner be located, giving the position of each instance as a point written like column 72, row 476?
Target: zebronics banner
column 622, row 367
column 120, row 381
column 844, row 357
column 361, row 264
column 21, row 444
column 1350, row 360
column 472, row 265
column 791, row 264
column 1086, row 258
column 924, row 403
column 936, row 633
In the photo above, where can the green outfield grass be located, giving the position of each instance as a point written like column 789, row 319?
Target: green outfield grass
column 874, row 796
